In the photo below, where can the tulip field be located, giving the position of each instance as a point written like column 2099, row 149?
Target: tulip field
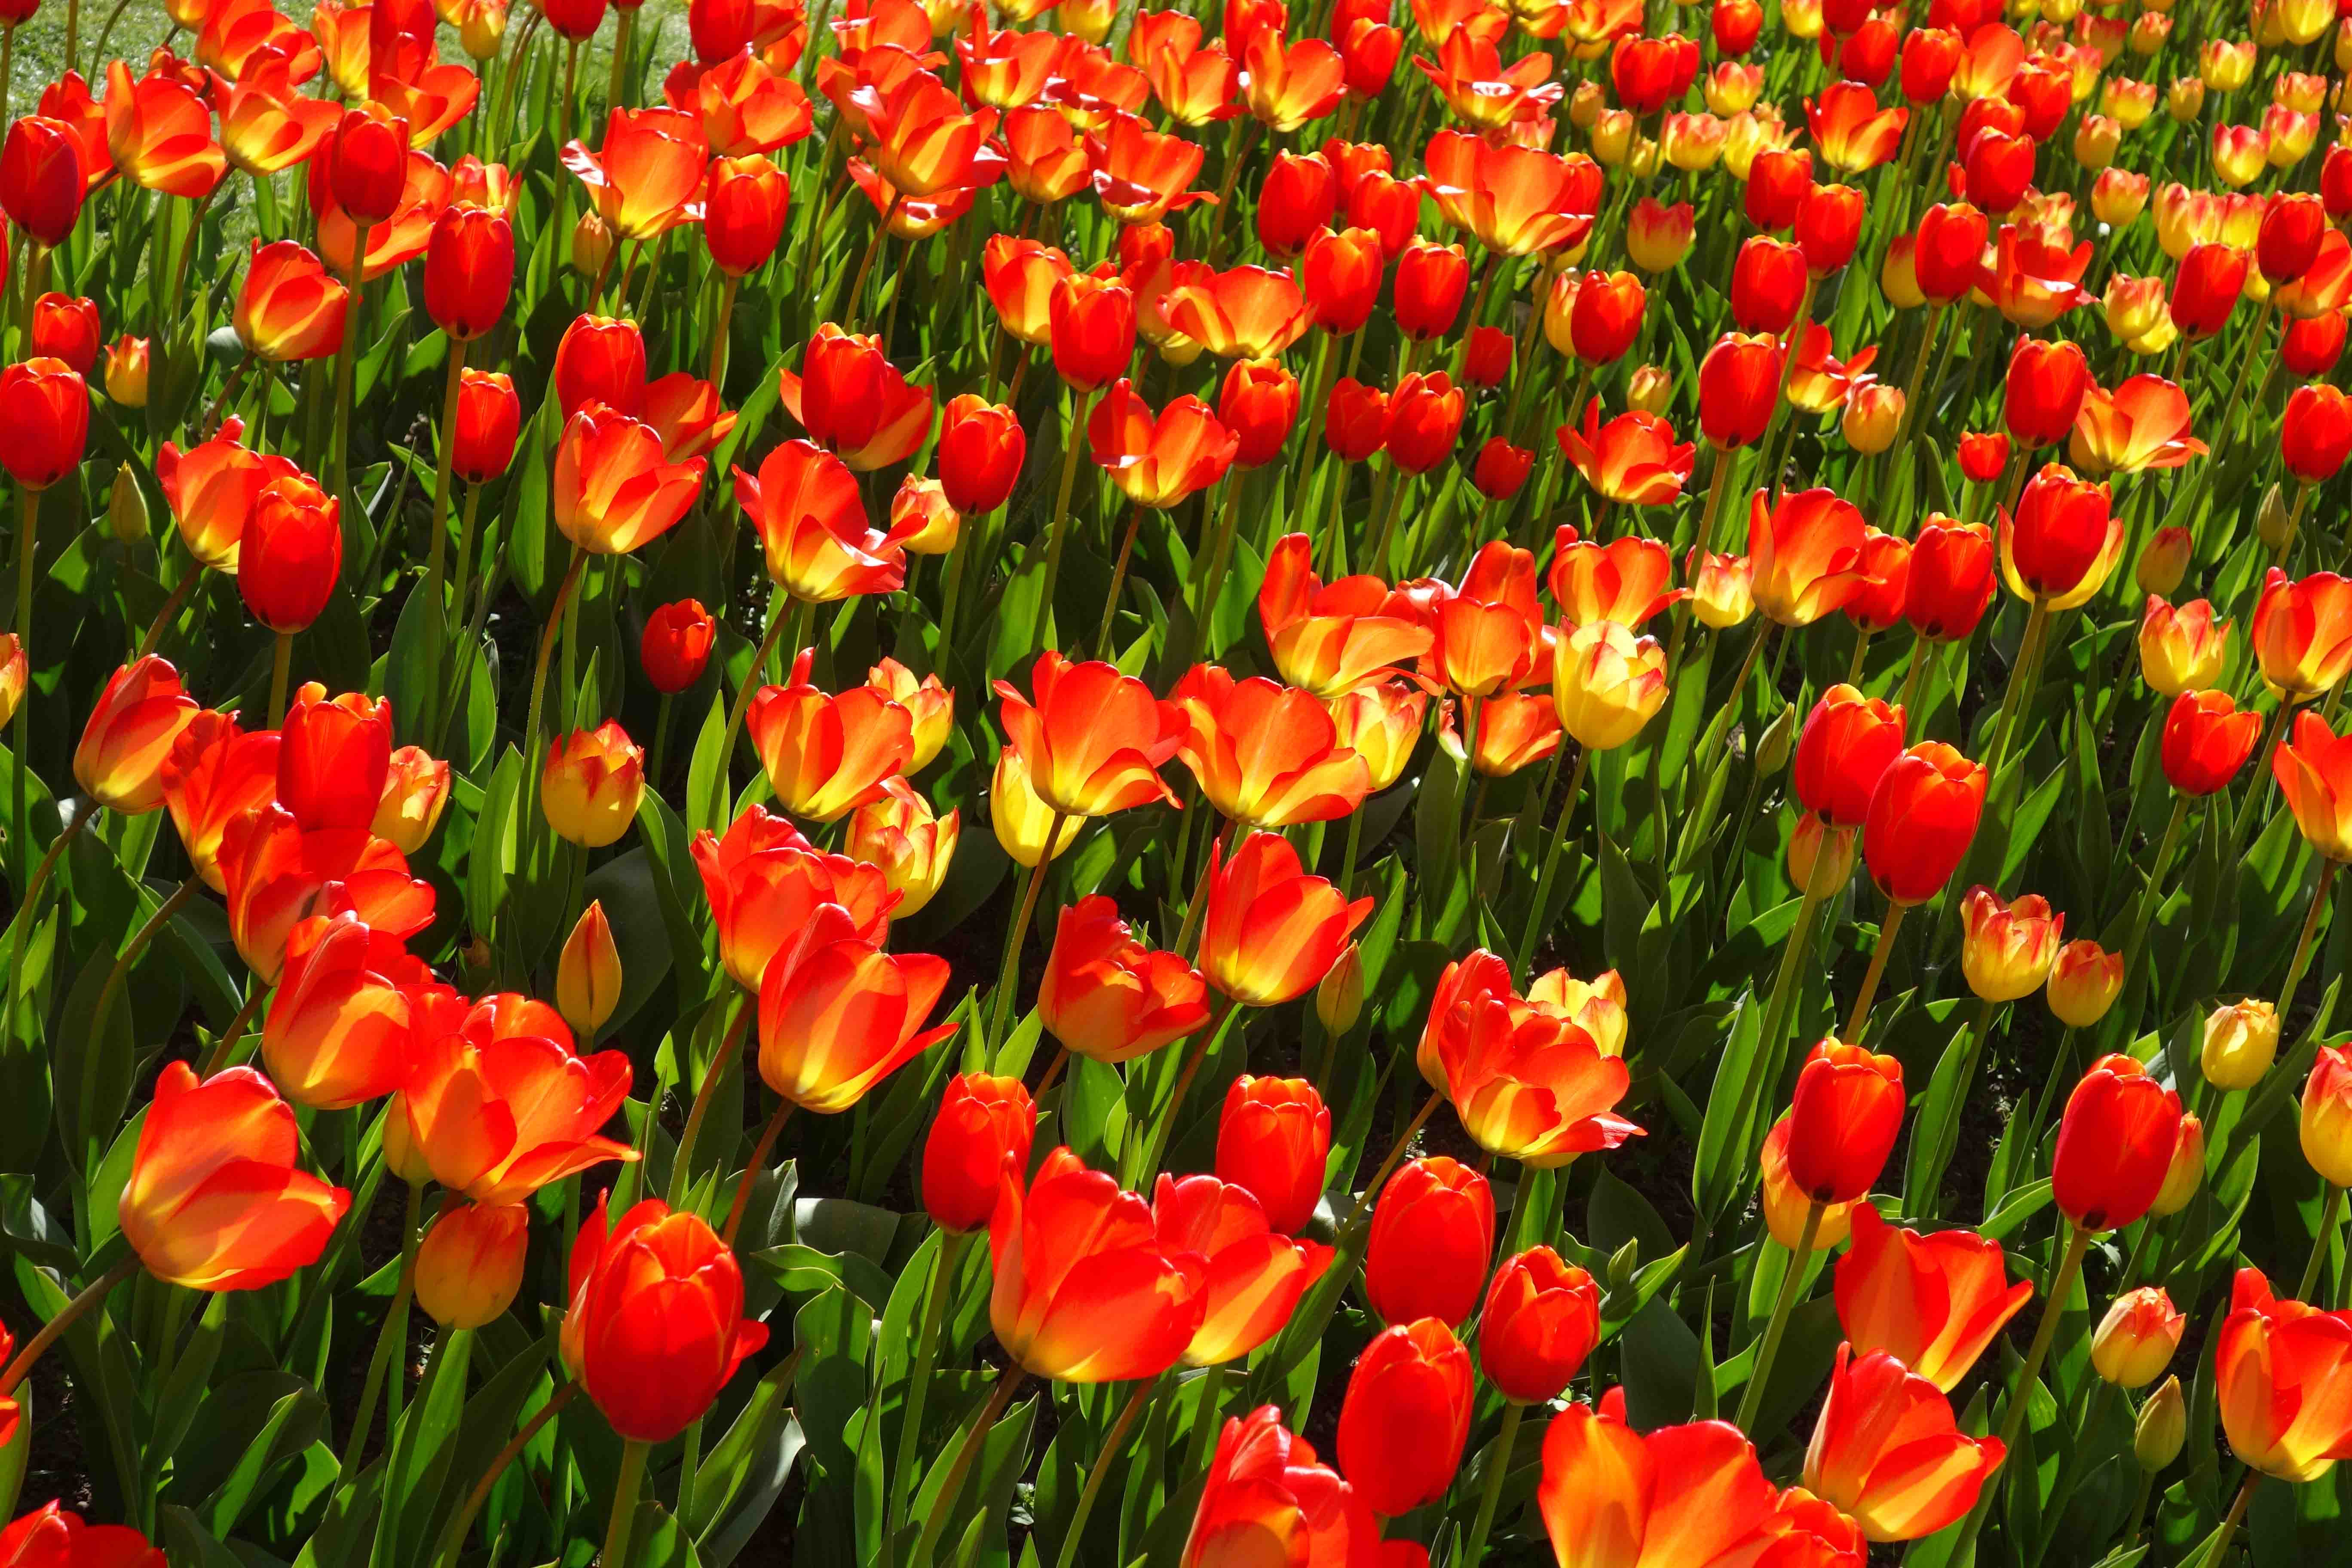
column 1175, row 783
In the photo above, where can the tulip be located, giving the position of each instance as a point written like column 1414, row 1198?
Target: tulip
column 214, row 772
column 290, row 308
column 1340, row 276
column 1380, row 723
column 600, row 360
column 898, row 834
column 214, row 1201
column 42, row 178
column 1768, row 282
column 2302, row 632
column 44, row 421
column 1107, row 997
column 1432, row 1234
column 65, row 327
column 1255, row 1277
column 765, row 883
column 1092, row 331
column 2063, row 541
column 488, row 422
column 2116, row 1140
column 2326, row 1123
column 2206, row 289
column 1806, row 553
column 648, row 173
column 1738, row 386
column 2206, row 740
column 469, row 1265
column 1158, row 462
column 2316, row 433
column 2311, row 348
column 127, row 363
column 275, row 870
column 2185, row 1174
column 2181, row 650
column 130, row 733
column 1843, row 1121
column 1934, row 1302
column 468, row 271
column 1331, row 639
column 837, row 1014
column 2241, row 1042
column 2136, row 1340
column 745, row 201
column 1780, row 181
column 2084, row 981
column 656, row 1325
column 1424, row 420
column 826, row 756
column 982, row 448
column 2044, row 391
column 2143, row 424
column 984, row 1124
column 676, row 646
column 1266, row 756
column 1623, row 580
column 158, row 135
column 1658, row 238
column 1486, row 357
column 416, row 792
column 1026, row 828
column 1094, row 740
column 854, row 402
column 1087, row 1291
column 2280, row 1368
column 1887, row 1453
column 1265, row 1485
column 1847, row 743
column 613, row 490
column 588, row 972
column 1406, row 1416
column 290, row 555
column 805, row 505
column 1273, row 1139
column 338, row 1032
column 591, row 783
column 1947, row 255
column 1272, row 928
column 1633, row 458
column 1431, row 282
column 1541, row 1320
column 2007, row 949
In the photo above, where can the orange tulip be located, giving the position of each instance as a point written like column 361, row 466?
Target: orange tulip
column 1805, row 553
column 1933, row 1302
column 853, row 401
column 1623, row 580
column 1266, row 756
column 1139, row 175
column 2064, row 542
column 1156, row 462
column 1529, row 1083
column 1330, row 639
column 469, row 1265
column 1247, row 313
column 1484, row 93
column 591, row 785
column 1516, row 200
column 1273, row 929
column 918, row 136
column 2283, row 1370
column 1086, row 1290
column 338, row 1032
column 747, row 106
column 1633, row 458
column 1255, row 1277
column 160, row 134
column 1887, row 1453
column 214, row 773
column 129, row 734
column 655, row 1326
column 913, row 849
column 1852, row 131
column 214, row 1201
column 425, row 191
column 811, row 520
column 276, row 872
column 1107, row 997
column 825, row 756
column 1406, row 1416
column 289, row 309
column 837, row 1015
column 614, row 489
column 211, row 490
column 497, row 1105
column 1489, row 629
column 2143, row 424
column 1381, row 721
column 267, row 126
column 1094, row 739
column 648, row 176
column 765, row 883
column 1286, row 84
column 2302, row 632
column 1267, row 1486
column 2314, row 769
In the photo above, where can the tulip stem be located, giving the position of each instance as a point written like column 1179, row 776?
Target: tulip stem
column 1378, row 563
column 1117, row 580
column 1055, row 530
column 1878, row 970
column 1498, row 1463
column 2330, row 1213
column 760, row 1152
column 719, row 333
column 20, row 833
column 112, row 990
column 390, row 1337
column 2053, row 1308
column 281, row 665
column 2023, row 676
column 1718, row 484
column 1909, row 424
column 682, row 1161
column 631, row 1481
column 346, row 359
column 453, row 1537
column 1205, row 1043
column 1008, row 972
column 1766, row 1352
column 742, row 706
column 538, row 686
column 68, row 1315
column 224, row 1050
column 2295, row 968
column 1204, row 1422
column 2293, row 522
column 918, row 1384
column 1387, row 1166
column 952, row 1489
column 1220, row 557
column 1552, row 859
column 27, row 906
column 2258, row 788
column 443, row 477
column 1770, row 1045
column 163, row 616
column 851, row 306
column 2217, row 1546
column 1113, row 1440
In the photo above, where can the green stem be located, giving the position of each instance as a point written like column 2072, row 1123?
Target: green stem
column 2330, row 1213
column 1878, row 970
column 632, row 1480
column 951, row 1489
column 804, row 618
column 390, row 1338
column 1208, row 1039
column 1008, row 974
column 1498, row 1462
column 281, row 667
column 2020, row 1401
column 918, row 1384
column 1550, row 872
column 453, row 1537
column 1769, row 1349
column 347, row 360
column 20, row 838
column 1056, row 530
column 1205, row 1421
column 224, row 1050
column 179, row 596
column 1113, row 1440
column 68, row 1315
column 682, row 1161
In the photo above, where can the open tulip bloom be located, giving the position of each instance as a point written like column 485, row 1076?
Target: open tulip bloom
column 1479, row 781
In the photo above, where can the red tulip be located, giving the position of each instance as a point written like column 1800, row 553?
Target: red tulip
column 1432, row 1233
column 2206, row 741
column 1406, row 1416
column 1923, row 813
column 2044, row 391
column 2115, row 1139
column 1847, row 742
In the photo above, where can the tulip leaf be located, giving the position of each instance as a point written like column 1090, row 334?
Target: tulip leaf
column 1719, row 1166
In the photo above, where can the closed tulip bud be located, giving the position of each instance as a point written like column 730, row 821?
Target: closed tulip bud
column 1722, row 588
column 984, row 1124
column 416, row 792
column 1340, row 994
column 655, row 1326
column 1872, row 417
column 2206, row 740
column 2007, row 949
column 1778, row 742
column 1432, row 1235
column 2116, row 1143
column 2118, row 196
column 2182, row 650
column 367, row 163
column 591, row 785
column 592, row 246
column 2136, row 1340
column 1542, row 1320
column 1021, row 820
column 1406, row 1416
column 2185, row 1174
column 2084, row 980
column 2326, row 1116
column 676, row 645
column 2161, row 1427
column 1431, row 281
column 126, row 508
column 588, row 974
column 2163, row 561
column 290, row 555
column 1650, row 389
column 1842, row 1121
column 488, row 424
column 469, row 1265
column 1658, row 238
column 1820, row 856
column 2241, row 1042
column 12, row 675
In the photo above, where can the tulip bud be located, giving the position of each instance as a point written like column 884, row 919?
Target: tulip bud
column 2162, row 1428
column 588, row 976
column 2163, row 561
column 592, row 246
column 1650, row 389
column 2007, row 949
column 1779, row 740
column 1818, row 850
column 2134, row 1342
column 126, row 508
column 127, row 365
column 2187, row 1172
column 1622, row 1265
column 2084, row 981
column 984, row 1123
column 1340, row 997
column 591, row 785
column 469, row 1265
column 416, row 790
column 12, row 677
column 481, row 30
column 2273, row 521
column 1874, row 415
column 2326, row 1128
column 2240, row 1041
column 2184, row 100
